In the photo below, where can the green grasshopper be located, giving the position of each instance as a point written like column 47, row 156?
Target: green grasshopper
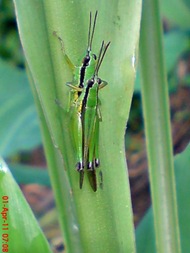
column 79, row 102
column 85, row 113
column 80, row 75
column 85, row 71
column 86, row 123
column 91, row 115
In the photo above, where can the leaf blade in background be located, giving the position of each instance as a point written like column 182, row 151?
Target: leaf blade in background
column 25, row 174
column 146, row 241
column 20, row 219
column 19, row 123
column 155, row 101
column 177, row 12
column 176, row 43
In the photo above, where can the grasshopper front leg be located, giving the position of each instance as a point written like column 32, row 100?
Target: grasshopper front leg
column 73, row 94
column 69, row 62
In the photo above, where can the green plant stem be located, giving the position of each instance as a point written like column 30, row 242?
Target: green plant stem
column 158, row 130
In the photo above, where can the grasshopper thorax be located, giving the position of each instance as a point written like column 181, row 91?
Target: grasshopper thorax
column 89, row 60
column 88, row 67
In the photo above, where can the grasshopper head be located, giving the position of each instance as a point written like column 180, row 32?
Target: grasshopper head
column 89, row 59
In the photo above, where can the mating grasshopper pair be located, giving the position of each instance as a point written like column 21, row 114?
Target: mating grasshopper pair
column 85, row 107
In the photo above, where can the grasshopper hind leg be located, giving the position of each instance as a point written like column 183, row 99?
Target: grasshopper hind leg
column 77, row 134
column 92, row 179
column 93, row 157
column 96, row 148
column 81, row 178
column 91, row 173
column 80, row 169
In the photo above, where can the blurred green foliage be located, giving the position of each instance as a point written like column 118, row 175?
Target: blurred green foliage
column 17, row 112
column 19, row 131
column 176, row 16
column 177, row 47
column 19, row 219
column 10, row 46
column 146, row 241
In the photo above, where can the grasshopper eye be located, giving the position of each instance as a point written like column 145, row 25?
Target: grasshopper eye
column 90, row 82
column 86, row 60
column 99, row 80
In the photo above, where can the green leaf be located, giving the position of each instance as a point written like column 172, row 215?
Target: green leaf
column 100, row 221
column 155, row 100
column 24, row 174
column 186, row 80
column 177, row 12
column 175, row 44
column 146, row 241
column 19, row 123
column 23, row 233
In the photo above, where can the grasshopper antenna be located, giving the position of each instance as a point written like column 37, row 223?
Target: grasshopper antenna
column 102, row 53
column 91, row 34
column 99, row 57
